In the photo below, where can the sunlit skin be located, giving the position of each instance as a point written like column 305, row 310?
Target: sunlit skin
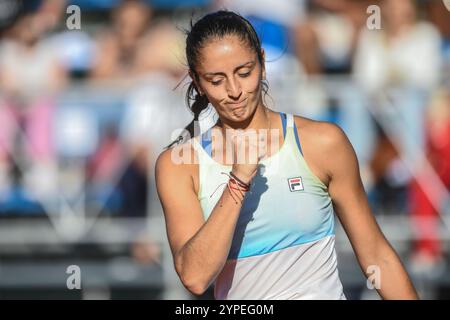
column 230, row 75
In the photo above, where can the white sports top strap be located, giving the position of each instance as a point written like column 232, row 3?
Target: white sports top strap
column 289, row 120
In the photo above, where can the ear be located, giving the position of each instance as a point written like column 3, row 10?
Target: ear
column 197, row 85
column 263, row 66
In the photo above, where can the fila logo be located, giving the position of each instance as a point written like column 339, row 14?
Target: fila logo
column 295, row 184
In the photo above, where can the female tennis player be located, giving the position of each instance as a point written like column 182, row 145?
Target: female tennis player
column 256, row 216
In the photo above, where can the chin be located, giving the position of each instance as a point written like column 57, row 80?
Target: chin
column 240, row 114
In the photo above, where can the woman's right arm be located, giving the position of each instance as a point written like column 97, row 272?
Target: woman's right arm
column 200, row 248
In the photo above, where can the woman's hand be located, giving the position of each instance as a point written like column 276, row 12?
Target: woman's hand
column 246, row 155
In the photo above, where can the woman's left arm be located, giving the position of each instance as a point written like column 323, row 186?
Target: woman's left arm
column 373, row 251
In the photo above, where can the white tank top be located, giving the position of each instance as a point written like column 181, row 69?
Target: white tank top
column 283, row 245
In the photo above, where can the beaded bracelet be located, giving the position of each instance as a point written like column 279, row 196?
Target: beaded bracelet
column 234, row 184
column 243, row 184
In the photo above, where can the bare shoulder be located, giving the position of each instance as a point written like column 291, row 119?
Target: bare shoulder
column 322, row 144
column 178, row 162
column 325, row 134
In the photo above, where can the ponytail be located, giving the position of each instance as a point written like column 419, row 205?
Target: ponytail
column 199, row 103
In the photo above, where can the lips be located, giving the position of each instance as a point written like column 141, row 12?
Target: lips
column 237, row 105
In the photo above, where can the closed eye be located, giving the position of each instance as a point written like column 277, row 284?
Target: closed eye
column 244, row 75
column 216, row 83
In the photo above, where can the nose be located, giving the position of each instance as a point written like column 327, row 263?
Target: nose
column 234, row 89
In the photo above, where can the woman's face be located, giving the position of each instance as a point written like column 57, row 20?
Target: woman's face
column 230, row 75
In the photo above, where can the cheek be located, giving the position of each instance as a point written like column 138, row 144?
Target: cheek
column 216, row 94
column 253, row 87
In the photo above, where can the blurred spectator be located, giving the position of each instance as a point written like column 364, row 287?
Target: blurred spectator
column 137, row 48
column 137, row 45
column 153, row 113
column 148, row 52
column 395, row 55
column 154, row 116
column 162, row 50
column 133, row 186
column 29, row 77
column 118, row 47
column 389, row 66
column 29, row 68
column 427, row 246
column 326, row 39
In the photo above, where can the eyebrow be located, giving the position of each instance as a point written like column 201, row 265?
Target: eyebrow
column 222, row 73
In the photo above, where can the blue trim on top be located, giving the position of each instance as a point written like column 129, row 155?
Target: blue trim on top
column 297, row 139
column 269, row 233
column 283, row 122
column 267, row 246
column 207, row 142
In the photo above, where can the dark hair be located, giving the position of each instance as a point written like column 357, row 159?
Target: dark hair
column 214, row 25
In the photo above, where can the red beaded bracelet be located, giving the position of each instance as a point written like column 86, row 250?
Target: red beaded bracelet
column 234, row 183
column 243, row 184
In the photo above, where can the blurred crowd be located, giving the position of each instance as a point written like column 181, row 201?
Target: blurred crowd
column 89, row 109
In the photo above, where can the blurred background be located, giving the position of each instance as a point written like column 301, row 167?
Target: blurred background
column 92, row 91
